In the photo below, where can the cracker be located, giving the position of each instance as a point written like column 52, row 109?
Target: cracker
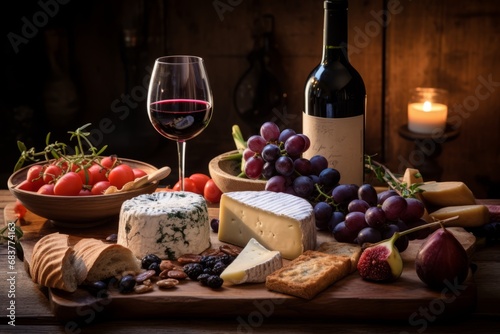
column 309, row 274
column 352, row 251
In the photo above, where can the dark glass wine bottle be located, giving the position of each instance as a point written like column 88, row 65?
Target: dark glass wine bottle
column 335, row 101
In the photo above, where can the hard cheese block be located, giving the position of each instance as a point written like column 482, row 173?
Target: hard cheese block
column 252, row 265
column 448, row 193
column 278, row 221
column 468, row 215
column 167, row 224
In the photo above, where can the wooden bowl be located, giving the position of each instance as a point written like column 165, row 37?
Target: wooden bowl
column 225, row 175
column 77, row 211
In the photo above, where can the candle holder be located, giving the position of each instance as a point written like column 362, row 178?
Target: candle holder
column 427, row 110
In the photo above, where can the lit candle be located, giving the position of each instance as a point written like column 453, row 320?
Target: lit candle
column 425, row 113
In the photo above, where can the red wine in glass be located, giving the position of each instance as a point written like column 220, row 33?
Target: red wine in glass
column 180, row 119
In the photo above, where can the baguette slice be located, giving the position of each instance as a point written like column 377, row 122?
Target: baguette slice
column 104, row 260
column 351, row 251
column 54, row 265
column 309, row 274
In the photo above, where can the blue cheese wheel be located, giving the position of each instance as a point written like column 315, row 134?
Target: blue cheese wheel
column 167, row 224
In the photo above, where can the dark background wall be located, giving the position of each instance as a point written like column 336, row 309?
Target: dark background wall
column 68, row 63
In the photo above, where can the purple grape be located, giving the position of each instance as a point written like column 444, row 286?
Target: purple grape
column 414, row 210
column 295, row 145
column 303, row 186
column 256, row 143
column 270, row 131
column 342, row 234
column 368, row 193
column 385, row 195
column 315, row 178
column 248, row 153
column 285, row 134
column 336, row 218
column 268, row 170
column 318, row 163
column 420, row 234
column 375, row 217
column 307, row 142
column 302, row 166
column 355, row 221
column 253, row 167
column 276, row 183
column 329, row 177
column 402, row 242
column 322, row 213
column 344, row 193
column 370, row 235
column 270, row 153
column 358, row 205
column 393, row 207
column 284, row 165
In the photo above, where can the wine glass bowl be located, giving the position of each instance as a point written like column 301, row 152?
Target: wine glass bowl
column 180, row 101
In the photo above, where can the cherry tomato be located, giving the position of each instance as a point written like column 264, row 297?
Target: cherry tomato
column 20, row 210
column 51, row 173
column 189, row 185
column 98, row 173
column 26, row 185
column 84, row 192
column 200, row 180
column 35, row 176
column 100, row 187
column 120, row 175
column 109, row 162
column 139, row 172
column 69, row 184
column 46, row 189
column 211, row 192
column 85, row 175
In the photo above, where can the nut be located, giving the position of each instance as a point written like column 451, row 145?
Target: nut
column 144, row 276
column 177, row 274
column 189, row 258
column 167, row 283
column 143, row 288
column 166, row 265
column 164, row 273
column 230, row 250
column 212, row 252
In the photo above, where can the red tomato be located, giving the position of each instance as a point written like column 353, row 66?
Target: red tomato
column 109, row 162
column 26, row 185
column 200, row 180
column 120, row 175
column 98, row 173
column 211, row 192
column 189, row 185
column 139, row 172
column 69, row 184
column 85, row 175
column 100, row 187
column 35, row 176
column 51, row 173
column 19, row 210
column 46, row 189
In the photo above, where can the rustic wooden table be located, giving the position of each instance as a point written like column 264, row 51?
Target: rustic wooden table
column 33, row 312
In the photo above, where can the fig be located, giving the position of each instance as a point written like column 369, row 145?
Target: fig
column 381, row 262
column 442, row 259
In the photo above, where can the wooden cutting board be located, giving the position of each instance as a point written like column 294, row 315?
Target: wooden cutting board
column 407, row 299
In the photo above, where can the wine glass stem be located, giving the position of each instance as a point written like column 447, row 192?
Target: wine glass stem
column 181, row 150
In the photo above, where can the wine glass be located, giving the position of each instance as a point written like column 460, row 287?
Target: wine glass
column 180, row 101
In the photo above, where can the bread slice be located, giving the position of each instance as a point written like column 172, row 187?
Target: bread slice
column 104, row 260
column 309, row 274
column 352, row 251
column 53, row 263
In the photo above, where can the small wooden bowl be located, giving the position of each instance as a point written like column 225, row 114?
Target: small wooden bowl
column 77, row 211
column 225, row 175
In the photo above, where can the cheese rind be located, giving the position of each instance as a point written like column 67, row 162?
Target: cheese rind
column 252, row 265
column 468, row 215
column 167, row 224
column 278, row 221
column 449, row 193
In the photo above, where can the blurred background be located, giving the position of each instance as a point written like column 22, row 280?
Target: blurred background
column 68, row 63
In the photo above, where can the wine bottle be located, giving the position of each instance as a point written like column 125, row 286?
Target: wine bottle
column 335, row 101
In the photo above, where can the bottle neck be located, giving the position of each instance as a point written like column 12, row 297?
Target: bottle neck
column 335, row 31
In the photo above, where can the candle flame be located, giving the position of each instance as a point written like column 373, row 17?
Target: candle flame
column 427, row 106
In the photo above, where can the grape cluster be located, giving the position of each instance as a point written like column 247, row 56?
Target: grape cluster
column 276, row 156
column 363, row 216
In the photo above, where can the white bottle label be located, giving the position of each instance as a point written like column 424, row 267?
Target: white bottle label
column 340, row 141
